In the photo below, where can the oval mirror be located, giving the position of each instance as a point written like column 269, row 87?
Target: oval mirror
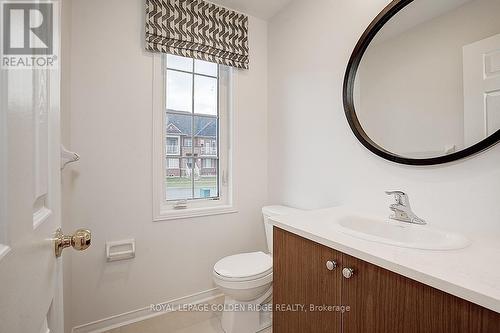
column 422, row 86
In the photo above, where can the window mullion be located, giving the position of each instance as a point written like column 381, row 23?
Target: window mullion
column 192, row 134
column 182, row 71
column 217, row 142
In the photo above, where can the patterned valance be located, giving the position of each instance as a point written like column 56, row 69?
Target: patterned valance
column 197, row 29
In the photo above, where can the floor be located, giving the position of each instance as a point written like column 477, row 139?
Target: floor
column 180, row 322
column 208, row 326
column 211, row 325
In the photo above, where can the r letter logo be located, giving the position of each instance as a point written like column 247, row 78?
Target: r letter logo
column 28, row 34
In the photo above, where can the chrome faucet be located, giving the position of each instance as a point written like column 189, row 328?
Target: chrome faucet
column 402, row 209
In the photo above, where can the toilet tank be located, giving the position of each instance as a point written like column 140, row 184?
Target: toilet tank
column 269, row 211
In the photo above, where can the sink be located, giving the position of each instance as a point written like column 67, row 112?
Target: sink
column 401, row 234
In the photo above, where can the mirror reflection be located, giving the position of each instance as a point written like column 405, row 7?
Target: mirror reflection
column 429, row 83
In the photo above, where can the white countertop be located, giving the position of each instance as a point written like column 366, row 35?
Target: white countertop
column 472, row 273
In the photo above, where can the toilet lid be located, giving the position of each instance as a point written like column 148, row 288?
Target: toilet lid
column 244, row 265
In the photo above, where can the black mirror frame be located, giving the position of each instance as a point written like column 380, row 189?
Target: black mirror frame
column 348, row 96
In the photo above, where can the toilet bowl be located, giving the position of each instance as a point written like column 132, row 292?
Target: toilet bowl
column 246, row 281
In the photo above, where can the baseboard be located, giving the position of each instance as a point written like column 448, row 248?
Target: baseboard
column 134, row 316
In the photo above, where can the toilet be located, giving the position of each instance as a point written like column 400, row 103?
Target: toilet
column 246, row 281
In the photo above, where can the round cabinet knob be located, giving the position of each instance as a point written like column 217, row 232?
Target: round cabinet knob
column 348, row 272
column 330, row 265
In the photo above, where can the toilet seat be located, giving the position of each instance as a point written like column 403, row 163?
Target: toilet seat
column 244, row 267
column 235, row 284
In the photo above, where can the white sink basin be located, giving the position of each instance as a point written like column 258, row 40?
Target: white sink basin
column 401, row 234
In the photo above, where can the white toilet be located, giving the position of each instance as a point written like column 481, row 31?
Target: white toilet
column 246, row 280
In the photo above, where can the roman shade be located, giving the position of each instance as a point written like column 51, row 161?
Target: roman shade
column 197, row 29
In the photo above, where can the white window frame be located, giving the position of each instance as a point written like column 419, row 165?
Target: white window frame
column 164, row 210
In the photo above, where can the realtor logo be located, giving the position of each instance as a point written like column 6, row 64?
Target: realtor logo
column 28, row 34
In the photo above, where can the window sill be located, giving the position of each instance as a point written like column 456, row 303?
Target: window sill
column 175, row 214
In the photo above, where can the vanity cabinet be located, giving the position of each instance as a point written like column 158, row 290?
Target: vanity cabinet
column 301, row 278
column 379, row 300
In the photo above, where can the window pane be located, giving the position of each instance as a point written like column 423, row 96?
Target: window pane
column 180, row 63
column 179, row 129
column 206, row 182
column 173, row 166
column 180, row 186
column 205, row 95
column 205, row 67
column 205, row 136
column 179, row 91
column 207, row 163
column 191, row 140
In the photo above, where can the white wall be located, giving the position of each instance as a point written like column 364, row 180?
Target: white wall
column 315, row 160
column 110, row 190
column 424, row 66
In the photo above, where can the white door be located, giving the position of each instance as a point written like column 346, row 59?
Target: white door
column 30, row 273
column 481, row 89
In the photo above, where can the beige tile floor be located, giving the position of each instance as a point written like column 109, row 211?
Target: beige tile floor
column 211, row 325
column 179, row 324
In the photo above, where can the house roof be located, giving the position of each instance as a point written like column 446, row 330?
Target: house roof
column 182, row 125
column 210, row 129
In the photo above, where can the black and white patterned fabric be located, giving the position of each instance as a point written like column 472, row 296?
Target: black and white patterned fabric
column 197, row 29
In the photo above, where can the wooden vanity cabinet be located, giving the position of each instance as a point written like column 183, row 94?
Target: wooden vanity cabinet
column 380, row 301
column 300, row 277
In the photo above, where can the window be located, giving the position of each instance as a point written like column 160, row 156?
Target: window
column 208, row 163
column 173, row 147
column 209, row 148
column 194, row 104
column 172, row 163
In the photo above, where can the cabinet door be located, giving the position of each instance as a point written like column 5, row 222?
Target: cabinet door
column 384, row 302
column 301, row 277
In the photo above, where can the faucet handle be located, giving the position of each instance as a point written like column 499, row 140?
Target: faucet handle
column 400, row 196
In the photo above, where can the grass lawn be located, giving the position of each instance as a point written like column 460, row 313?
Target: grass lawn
column 183, row 182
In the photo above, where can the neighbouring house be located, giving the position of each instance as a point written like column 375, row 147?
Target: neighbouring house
column 191, row 146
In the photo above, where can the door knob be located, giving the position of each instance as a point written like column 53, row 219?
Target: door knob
column 80, row 241
column 348, row 272
column 330, row 265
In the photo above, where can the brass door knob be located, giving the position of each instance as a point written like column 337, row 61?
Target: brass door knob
column 80, row 241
